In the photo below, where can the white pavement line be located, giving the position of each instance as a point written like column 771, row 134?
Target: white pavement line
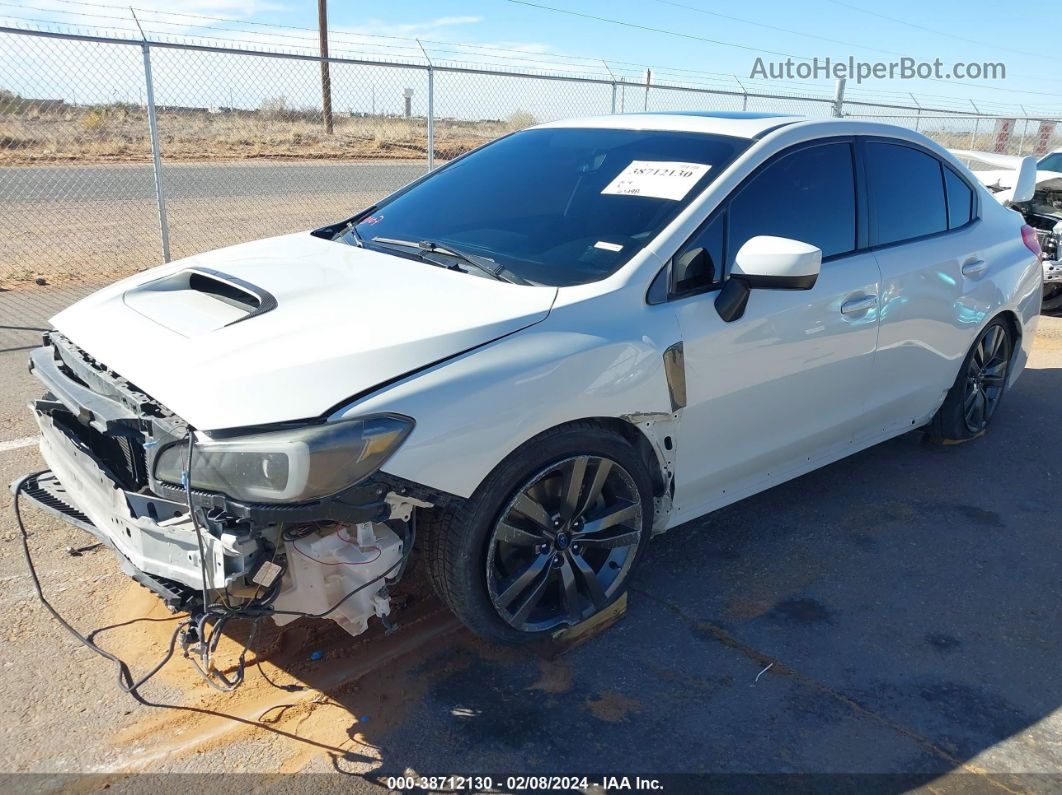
column 18, row 444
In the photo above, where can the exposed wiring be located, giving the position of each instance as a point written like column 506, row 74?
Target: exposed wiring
column 379, row 553
column 186, row 476
column 126, row 682
column 202, row 631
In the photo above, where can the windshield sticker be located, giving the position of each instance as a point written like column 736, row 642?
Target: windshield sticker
column 657, row 179
column 608, row 246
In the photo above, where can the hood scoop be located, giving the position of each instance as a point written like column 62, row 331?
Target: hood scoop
column 198, row 300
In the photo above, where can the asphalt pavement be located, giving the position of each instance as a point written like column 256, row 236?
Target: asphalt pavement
column 257, row 178
column 896, row 613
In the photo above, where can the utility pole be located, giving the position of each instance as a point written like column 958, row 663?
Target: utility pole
column 326, row 79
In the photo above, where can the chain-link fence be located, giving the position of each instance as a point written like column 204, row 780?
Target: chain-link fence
column 117, row 154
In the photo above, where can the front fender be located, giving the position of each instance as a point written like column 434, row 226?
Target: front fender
column 474, row 410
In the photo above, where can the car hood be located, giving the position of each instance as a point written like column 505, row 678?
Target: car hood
column 1045, row 180
column 287, row 328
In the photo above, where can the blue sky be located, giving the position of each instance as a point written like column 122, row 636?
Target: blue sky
column 976, row 30
column 1009, row 32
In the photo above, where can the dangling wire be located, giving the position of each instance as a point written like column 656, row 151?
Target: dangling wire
column 126, row 682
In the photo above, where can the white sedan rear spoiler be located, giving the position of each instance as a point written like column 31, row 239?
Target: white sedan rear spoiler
column 1013, row 181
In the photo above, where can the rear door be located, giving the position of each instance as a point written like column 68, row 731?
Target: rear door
column 930, row 247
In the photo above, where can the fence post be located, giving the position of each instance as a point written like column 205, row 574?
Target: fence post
column 1024, row 130
column 431, row 107
column 156, row 159
column 613, row 77
column 431, row 118
column 918, row 117
column 744, row 94
column 838, row 98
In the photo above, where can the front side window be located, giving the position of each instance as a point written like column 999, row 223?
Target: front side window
column 557, row 206
column 808, row 195
column 906, row 190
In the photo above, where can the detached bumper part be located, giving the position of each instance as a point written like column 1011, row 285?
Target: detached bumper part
column 48, row 494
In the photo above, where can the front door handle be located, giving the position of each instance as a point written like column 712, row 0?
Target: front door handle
column 857, row 305
column 974, row 267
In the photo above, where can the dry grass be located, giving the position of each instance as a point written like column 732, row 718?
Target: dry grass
column 118, row 133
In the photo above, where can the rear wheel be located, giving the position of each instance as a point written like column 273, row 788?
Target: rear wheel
column 974, row 397
column 548, row 540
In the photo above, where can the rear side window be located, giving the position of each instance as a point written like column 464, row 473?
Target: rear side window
column 960, row 200
column 808, row 195
column 906, row 191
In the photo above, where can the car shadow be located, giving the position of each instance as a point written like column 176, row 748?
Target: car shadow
column 895, row 613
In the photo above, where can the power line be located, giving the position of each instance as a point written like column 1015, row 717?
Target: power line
column 655, row 30
column 775, row 27
column 934, row 31
column 680, row 35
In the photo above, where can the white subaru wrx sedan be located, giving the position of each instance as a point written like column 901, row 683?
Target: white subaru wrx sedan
column 528, row 362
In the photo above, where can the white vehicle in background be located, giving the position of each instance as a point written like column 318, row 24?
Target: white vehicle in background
column 528, row 362
column 1039, row 201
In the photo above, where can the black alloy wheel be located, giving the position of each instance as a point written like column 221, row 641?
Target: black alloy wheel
column 563, row 546
column 986, row 376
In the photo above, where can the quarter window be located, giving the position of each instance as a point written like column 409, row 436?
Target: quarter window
column 960, row 200
column 700, row 263
column 808, row 195
column 907, row 193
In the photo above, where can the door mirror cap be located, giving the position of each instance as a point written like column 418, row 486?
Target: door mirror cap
column 777, row 263
column 767, row 263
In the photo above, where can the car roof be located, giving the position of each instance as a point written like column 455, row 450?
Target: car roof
column 738, row 124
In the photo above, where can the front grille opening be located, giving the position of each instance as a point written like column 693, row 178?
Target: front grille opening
column 124, row 456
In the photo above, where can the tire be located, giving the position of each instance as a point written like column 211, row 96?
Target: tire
column 974, row 398
column 486, row 570
column 1052, row 300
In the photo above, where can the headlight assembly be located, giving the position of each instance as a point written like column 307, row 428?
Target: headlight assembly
column 291, row 465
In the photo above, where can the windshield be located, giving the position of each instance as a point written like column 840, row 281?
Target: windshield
column 1053, row 162
column 557, row 206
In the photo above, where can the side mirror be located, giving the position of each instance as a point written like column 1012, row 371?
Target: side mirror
column 767, row 263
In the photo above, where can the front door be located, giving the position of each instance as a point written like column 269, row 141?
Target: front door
column 782, row 389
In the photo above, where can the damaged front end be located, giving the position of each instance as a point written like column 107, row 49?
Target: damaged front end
column 1044, row 214
column 289, row 521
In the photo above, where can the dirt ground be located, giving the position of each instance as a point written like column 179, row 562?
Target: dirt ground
column 118, row 134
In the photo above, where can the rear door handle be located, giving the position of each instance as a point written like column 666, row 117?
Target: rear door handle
column 974, row 267
column 857, row 305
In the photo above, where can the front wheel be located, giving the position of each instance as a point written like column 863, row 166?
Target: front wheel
column 548, row 540
column 974, row 397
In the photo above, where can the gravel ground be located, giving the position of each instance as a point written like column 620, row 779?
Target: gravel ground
column 894, row 613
